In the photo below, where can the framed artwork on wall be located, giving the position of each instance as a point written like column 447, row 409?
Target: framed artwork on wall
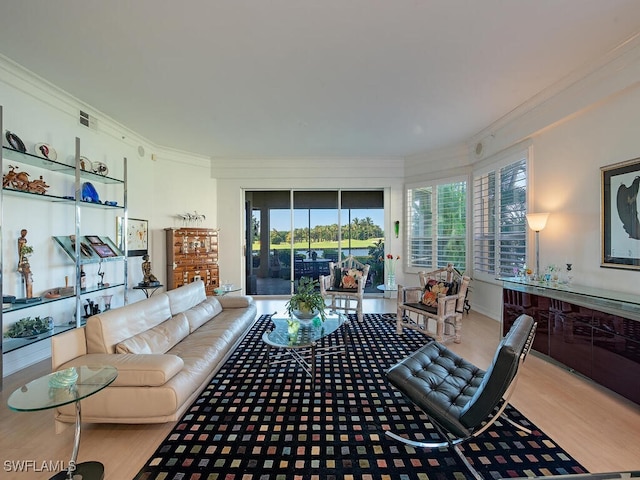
column 137, row 236
column 620, row 225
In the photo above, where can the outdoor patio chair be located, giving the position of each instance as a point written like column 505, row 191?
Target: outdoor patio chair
column 460, row 400
column 345, row 285
column 439, row 302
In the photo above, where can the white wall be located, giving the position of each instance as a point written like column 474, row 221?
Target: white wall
column 567, row 184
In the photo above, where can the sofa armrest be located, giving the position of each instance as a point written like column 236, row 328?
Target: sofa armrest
column 67, row 346
column 235, row 301
column 134, row 370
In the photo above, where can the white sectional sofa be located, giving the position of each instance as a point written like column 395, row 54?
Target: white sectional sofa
column 166, row 349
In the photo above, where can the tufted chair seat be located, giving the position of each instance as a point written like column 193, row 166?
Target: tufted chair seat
column 439, row 382
column 460, row 399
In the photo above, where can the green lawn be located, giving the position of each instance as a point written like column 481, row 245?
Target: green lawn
column 321, row 245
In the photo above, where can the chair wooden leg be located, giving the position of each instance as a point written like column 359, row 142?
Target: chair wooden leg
column 458, row 328
column 399, row 314
column 440, row 330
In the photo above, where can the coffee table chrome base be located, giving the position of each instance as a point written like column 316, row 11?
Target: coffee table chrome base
column 305, row 357
column 305, row 354
column 83, row 471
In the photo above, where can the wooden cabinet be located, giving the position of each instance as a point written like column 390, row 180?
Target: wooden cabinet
column 591, row 331
column 192, row 254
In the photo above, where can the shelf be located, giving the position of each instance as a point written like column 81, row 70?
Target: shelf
column 55, row 198
column 67, row 178
column 21, row 306
column 10, row 344
column 54, row 166
column 100, row 289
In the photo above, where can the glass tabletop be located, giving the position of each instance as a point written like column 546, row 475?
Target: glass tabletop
column 59, row 388
column 228, row 289
column 306, row 334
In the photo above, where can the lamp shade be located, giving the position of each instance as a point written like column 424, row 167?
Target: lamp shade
column 537, row 221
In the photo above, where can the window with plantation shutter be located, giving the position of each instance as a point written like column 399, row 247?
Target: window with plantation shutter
column 436, row 219
column 499, row 219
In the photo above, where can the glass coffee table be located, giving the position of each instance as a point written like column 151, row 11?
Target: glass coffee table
column 60, row 388
column 308, row 343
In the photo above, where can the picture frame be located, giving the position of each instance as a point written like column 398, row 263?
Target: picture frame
column 137, row 236
column 93, row 239
column 620, row 224
column 103, row 250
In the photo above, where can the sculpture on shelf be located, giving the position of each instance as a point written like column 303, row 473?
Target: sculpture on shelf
column 101, row 283
column 38, row 186
column 149, row 279
column 194, row 219
column 20, row 181
column 24, row 268
column 17, row 180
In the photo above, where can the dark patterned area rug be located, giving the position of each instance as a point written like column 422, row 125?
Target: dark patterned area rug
column 261, row 422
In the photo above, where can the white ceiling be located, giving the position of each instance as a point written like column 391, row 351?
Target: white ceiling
column 300, row 78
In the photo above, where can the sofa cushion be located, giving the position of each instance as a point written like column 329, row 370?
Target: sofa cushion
column 158, row 339
column 187, row 296
column 105, row 330
column 134, row 370
column 202, row 313
column 235, row 301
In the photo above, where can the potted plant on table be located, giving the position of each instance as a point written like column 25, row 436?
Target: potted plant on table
column 307, row 303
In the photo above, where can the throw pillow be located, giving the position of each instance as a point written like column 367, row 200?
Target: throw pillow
column 431, row 292
column 350, row 278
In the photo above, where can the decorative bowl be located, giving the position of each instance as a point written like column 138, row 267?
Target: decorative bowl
column 300, row 315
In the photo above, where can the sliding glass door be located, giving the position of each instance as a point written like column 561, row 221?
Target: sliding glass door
column 295, row 233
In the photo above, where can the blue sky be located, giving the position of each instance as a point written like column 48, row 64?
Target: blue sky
column 280, row 219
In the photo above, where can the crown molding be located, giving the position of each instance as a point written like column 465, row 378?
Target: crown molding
column 589, row 84
column 31, row 84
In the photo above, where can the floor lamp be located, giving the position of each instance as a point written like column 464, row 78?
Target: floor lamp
column 537, row 222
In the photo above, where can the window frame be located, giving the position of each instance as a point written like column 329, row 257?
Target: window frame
column 494, row 164
column 434, row 184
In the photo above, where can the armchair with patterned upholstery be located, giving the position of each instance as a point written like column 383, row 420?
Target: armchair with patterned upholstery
column 345, row 285
column 438, row 302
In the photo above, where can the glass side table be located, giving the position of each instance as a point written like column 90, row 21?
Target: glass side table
column 224, row 290
column 60, row 388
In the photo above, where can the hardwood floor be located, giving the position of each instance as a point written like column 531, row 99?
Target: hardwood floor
column 597, row 427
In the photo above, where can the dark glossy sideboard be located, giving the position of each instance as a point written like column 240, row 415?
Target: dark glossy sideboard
column 592, row 331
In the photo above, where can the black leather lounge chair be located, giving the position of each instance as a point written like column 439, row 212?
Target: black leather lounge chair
column 460, row 399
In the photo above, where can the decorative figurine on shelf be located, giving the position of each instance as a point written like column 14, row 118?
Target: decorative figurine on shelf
column 17, row 180
column 24, row 268
column 20, row 181
column 38, row 186
column 101, row 283
column 149, row 279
